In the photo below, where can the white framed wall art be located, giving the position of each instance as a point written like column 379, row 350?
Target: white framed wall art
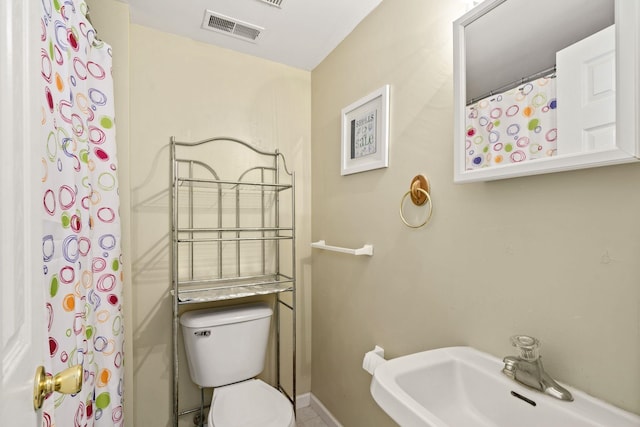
column 365, row 133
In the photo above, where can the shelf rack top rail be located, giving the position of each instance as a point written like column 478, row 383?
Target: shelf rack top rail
column 276, row 153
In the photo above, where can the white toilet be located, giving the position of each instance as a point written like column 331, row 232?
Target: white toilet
column 226, row 348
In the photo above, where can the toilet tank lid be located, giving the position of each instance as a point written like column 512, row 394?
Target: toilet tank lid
column 225, row 315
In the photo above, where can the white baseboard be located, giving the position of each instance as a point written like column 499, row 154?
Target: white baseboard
column 308, row 399
column 303, row 400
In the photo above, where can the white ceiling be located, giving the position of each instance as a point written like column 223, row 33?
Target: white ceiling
column 300, row 33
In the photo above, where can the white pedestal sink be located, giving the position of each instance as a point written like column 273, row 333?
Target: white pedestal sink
column 463, row 387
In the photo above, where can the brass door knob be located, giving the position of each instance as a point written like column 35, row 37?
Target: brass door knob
column 68, row 381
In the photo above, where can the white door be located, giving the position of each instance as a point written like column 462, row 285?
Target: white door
column 22, row 328
column 586, row 89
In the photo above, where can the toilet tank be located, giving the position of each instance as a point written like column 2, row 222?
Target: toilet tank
column 227, row 344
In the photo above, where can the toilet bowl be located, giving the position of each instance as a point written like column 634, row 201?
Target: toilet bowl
column 226, row 348
column 250, row 403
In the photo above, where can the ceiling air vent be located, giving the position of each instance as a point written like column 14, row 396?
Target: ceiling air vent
column 277, row 3
column 230, row 26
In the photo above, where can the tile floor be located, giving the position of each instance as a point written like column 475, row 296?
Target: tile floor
column 307, row 417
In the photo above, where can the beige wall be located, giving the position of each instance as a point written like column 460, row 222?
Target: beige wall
column 195, row 91
column 554, row 256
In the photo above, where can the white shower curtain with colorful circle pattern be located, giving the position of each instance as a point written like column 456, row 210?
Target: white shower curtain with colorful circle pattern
column 82, row 262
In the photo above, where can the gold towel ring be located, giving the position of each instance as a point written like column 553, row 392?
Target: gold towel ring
column 419, row 193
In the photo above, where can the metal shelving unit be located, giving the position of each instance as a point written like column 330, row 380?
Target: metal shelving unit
column 231, row 239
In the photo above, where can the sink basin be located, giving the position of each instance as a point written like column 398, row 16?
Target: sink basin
column 464, row 387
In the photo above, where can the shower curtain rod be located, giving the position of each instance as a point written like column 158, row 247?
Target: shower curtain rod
column 514, row 83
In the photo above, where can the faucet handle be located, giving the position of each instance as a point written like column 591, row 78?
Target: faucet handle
column 510, row 366
column 528, row 347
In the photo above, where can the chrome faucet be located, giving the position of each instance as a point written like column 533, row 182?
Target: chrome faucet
column 527, row 368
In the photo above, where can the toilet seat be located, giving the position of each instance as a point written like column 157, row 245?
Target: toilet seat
column 250, row 403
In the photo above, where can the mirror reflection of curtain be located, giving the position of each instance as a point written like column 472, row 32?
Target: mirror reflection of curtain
column 514, row 126
column 82, row 261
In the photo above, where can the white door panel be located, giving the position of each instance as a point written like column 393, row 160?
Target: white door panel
column 586, row 91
